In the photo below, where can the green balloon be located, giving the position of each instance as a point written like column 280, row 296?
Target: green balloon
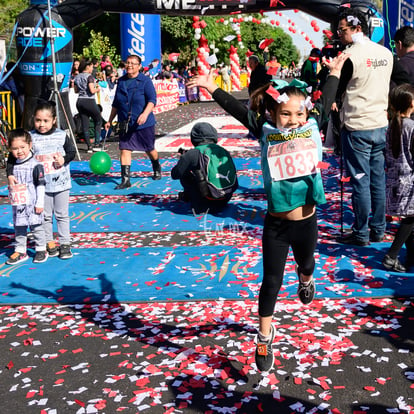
column 100, row 163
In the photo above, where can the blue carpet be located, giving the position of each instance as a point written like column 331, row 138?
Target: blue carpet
column 188, row 272
column 157, row 216
column 182, row 273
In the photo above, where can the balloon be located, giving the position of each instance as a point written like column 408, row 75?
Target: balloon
column 100, row 163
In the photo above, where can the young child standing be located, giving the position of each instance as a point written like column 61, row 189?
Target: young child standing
column 27, row 198
column 399, row 157
column 291, row 149
column 54, row 149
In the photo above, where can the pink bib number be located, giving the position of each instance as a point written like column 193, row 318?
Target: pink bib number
column 292, row 159
column 18, row 194
column 47, row 162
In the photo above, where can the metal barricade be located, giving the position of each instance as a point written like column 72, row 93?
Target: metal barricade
column 8, row 108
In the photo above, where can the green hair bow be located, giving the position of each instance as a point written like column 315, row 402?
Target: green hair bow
column 280, row 83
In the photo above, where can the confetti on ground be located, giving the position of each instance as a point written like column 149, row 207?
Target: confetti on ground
column 352, row 354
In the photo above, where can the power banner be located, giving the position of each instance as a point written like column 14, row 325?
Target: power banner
column 35, row 29
column 141, row 35
column 397, row 13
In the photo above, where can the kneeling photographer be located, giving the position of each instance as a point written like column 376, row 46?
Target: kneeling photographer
column 206, row 172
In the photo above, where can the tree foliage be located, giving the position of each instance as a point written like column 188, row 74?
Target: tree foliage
column 102, row 36
column 178, row 36
column 10, row 9
column 175, row 37
column 99, row 45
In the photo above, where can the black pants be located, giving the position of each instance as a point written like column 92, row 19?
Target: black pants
column 278, row 236
column 199, row 203
column 88, row 108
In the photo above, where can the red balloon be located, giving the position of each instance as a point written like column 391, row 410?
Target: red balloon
column 203, row 24
column 316, row 28
column 307, row 38
column 296, row 11
column 293, row 23
column 222, row 20
column 313, row 23
column 277, row 23
column 272, row 21
column 196, row 18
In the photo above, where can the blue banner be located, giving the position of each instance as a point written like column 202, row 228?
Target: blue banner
column 141, row 35
column 397, row 13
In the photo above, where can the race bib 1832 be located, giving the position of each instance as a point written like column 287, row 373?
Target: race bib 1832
column 292, row 159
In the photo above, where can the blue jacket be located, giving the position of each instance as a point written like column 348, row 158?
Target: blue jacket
column 132, row 96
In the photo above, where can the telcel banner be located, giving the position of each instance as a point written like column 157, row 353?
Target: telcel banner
column 397, row 13
column 141, row 35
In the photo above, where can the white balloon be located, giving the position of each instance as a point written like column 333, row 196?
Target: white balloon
column 226, row 22
column 197, row 30
column 216, row 50
column 202, row 50
column 197, row 36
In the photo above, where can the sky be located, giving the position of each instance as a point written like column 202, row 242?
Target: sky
column 303, row 24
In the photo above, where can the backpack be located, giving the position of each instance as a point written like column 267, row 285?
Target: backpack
column 218, row 170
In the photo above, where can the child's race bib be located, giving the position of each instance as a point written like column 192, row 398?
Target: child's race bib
column 18, row 194
column 292, row 159
column 48, row 163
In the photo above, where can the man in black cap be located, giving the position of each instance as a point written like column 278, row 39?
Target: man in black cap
column 191, row 171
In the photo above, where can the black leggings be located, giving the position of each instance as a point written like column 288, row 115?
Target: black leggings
column 88, row 108
column 278, row 236
column 404, row 235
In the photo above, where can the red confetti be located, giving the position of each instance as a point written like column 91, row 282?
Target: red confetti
column 81, row 403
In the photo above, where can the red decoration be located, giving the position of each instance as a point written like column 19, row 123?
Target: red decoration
column 272, row 92
column 173, row 56
column 272, row 71
column 264, row 43
column 232, row 49
column 328, row 34
column 273, row 3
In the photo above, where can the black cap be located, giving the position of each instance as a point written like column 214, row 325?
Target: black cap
column 203, row 132
column 316, row 51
